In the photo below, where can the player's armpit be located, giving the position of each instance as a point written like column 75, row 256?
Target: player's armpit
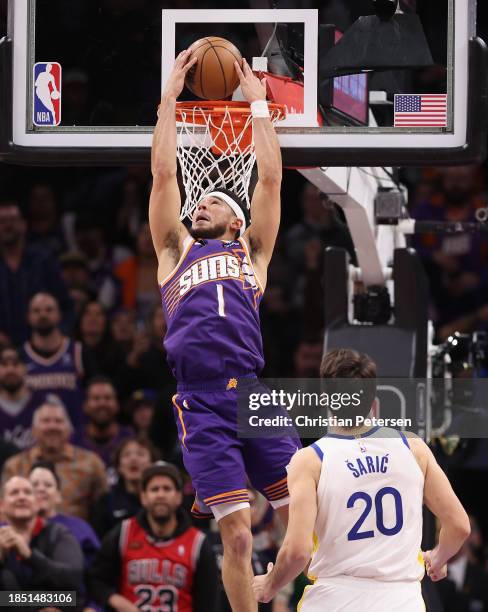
column 261, row 235
column 164, row 214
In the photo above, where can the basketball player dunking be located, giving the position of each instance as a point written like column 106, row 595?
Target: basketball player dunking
column 212, row 279
column 356, row 506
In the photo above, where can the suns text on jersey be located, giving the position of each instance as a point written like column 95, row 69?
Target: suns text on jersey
column 216, row 267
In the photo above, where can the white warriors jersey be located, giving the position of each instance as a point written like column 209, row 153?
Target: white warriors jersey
column 369, row 520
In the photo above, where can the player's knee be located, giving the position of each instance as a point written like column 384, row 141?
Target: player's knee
column 238, row 541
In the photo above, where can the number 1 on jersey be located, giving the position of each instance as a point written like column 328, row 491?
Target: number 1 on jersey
column 220, row 299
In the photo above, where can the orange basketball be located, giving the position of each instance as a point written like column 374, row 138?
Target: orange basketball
column 213, row 77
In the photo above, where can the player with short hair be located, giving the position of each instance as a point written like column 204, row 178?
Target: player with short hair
column 356, row 507
column 212, row 279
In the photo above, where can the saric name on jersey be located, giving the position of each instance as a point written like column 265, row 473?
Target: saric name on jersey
column 368, row 465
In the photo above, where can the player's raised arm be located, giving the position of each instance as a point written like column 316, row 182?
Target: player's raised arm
column 265, row 205
column 167, row 231
column 295, row 553
column 441, row 500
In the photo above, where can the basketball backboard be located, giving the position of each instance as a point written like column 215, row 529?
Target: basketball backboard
column 361, row 88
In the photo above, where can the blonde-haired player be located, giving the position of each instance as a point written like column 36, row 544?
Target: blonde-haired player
column 356, row 506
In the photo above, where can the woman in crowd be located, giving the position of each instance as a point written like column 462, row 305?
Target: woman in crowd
column 46, row 485
column 93, row 330
column 122, row 500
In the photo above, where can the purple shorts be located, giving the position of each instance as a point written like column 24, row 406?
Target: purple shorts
column 221, row 464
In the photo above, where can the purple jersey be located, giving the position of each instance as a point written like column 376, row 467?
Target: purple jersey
column 59, row 375
column 16, row 419
column 211, row 305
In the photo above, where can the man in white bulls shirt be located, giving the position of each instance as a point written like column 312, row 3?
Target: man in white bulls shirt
column 356, row 508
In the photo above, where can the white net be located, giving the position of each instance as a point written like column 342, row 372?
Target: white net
column 215, row 152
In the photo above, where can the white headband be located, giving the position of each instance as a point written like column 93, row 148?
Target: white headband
column 234, row 206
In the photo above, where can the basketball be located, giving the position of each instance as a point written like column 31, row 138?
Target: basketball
column 213, row 77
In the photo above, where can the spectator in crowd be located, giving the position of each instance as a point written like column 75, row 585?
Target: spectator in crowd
column 17, row 402
column 46, row 485
column 140, row 410
column 466, row 587
column 81, row 472
column 123, row 328
column 74, row 271
column 313, row 290
column 81, row 297
column 24, row 271
column 306, row 241
column 153, row 373
column 76, row 96
column 35, row 554
column 321, row 221
column 130, row 206
column 138, row 276
column 7, row 450
column 169, row 559
column 150, row 360
column 455, row 263
column 55, row 363
column 122, row 500
column 91, row 241
column 307, row 358
column 4, row 340
column 133, row 342
column 93, row 330
column 102, row 433
column 279, row 324
column 44, row 228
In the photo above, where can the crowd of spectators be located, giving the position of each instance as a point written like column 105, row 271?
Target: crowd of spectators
column 85, row 391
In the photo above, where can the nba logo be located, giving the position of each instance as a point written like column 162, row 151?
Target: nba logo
column 47, row 94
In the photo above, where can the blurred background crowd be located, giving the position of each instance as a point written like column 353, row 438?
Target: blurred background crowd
column 85, row 391
column 84, row 384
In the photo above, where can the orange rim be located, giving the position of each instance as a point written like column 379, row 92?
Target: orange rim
column 229, row 127
column 237, row 110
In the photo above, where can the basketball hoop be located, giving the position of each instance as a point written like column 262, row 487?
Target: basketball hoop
column 215, row 147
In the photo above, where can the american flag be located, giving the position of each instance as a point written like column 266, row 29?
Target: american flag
column 420, row 110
